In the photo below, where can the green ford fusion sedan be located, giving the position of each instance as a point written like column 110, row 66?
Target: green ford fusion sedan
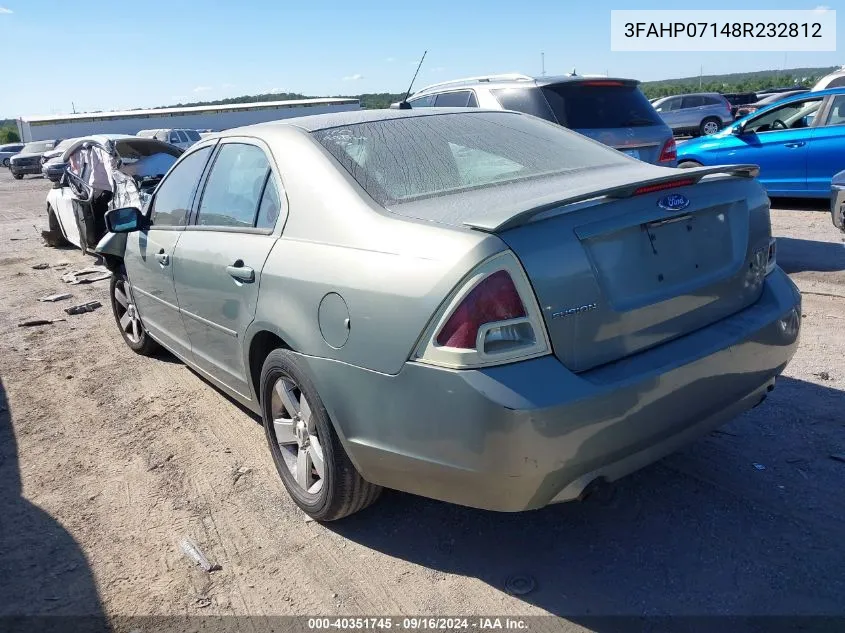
column 476, row 306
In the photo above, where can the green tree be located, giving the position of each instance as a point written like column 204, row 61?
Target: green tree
column 9, row 134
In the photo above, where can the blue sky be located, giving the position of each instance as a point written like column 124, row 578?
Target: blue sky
column 156, row 52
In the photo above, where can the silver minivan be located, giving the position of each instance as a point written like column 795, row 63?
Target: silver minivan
column 695, row 114
column 612, row 111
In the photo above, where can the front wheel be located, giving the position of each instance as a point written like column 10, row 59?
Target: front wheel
column 18, row 176
column 710, row 126
column 314, row 467
column 127, row 317
column 5, row 162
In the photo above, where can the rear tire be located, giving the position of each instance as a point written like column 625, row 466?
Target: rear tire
column 18, row 176
column 5, row 162
column 300, row 435
column 687, row 164
column 709, row 126
column 126, row 316
column 54, row 237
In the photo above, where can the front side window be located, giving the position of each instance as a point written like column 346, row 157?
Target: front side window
column 795, row 115
column 173, row 197
column 234, row 188
column 668, row 105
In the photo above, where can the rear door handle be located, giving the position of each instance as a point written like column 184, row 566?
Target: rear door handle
column 240, row 272
column 163, row 258
column 794, row 145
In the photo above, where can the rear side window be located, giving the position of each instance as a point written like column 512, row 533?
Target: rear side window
column 837, row 83
column 458, row 99
column 173, row 197
column 527, row 100
column 234, row 188
column 594, row 105
column 192, row 135
column 693, row 102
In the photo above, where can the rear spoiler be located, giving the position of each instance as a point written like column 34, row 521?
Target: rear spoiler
column 503, row 221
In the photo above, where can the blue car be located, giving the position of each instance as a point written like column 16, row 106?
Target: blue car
column 799, row 144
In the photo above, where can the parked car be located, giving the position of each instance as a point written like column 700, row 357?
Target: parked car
column 837, row 200
column 766, row 100
column 183, row 138
column 103, row 172
column 7, row 151
column 836, row 79
column 739, row 99
column 696, row 114
column 471, row 305
column 798, row 142
column 52, row 167
column 611, row 111
column 28, row 161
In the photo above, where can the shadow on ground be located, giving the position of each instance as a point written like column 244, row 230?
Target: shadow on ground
column 801, row 204
column 46, row 583
column 674, row 539
column 797, row 255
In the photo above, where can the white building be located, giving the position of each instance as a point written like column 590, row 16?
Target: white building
column 216, row 117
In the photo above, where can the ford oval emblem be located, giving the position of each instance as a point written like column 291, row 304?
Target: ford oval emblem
column 673, row 202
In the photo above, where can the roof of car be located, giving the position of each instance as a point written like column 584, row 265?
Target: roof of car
column 511, row 79
column 316, row 122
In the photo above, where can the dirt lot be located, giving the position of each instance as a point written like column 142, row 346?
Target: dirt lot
column 108, row 459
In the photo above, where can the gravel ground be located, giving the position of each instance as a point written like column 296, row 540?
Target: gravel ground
column 108, row 459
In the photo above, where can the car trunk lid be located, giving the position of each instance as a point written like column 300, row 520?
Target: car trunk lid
column 644, row 263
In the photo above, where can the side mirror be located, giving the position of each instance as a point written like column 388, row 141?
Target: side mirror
column 125, row 220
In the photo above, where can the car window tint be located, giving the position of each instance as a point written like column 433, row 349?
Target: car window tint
column 452, row 99
column 173, row 196
column 591, row 105
column 192, row 135
column 231, row 194
column 836, row 115
column 174, row 136
column 271, row 205
column 422, row 102
column 527, row 100
column 692, row 102
column 794, row 115
column 396, row 160
column 473, row 102
column 183, row 137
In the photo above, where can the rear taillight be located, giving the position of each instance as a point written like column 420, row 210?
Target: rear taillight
column 494, row 300
column 491, row 318
column 669, row 153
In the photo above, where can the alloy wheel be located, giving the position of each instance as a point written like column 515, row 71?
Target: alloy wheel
column 296, row 435
column 711, row 127
column 127, row 314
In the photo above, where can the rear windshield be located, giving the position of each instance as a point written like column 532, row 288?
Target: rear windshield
column 594, row 105
column 404, row 159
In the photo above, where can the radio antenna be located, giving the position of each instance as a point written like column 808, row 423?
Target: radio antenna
column 404, row 105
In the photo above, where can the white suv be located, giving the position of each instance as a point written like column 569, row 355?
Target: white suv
column 179, row 137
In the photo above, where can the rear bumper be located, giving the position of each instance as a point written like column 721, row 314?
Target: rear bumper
column 524, row 435
column 837, row 206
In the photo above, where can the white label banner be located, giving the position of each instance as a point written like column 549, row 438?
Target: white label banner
column 706, row 30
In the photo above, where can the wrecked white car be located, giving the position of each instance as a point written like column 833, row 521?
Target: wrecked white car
column 103, row 172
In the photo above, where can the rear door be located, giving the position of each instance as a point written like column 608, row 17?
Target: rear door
column 149, row 254
column 825, row 156
column 220, row 256
column 612, row 112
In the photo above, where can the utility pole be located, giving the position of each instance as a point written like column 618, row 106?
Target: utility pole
column 542, row 63
column 73, row 107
